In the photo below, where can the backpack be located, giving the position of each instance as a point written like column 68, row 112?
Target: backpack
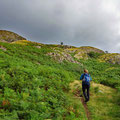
column 86, row 78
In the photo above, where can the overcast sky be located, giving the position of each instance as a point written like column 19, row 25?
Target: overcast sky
column 75, row 22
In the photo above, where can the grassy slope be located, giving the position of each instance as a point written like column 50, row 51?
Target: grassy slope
column 34, row 86
column 105, row 73
column 103, row 103
column 103, row 99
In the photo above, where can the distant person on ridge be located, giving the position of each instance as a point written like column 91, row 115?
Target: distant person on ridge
column 86, row 78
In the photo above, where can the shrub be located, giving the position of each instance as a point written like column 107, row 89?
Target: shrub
column 94, row 54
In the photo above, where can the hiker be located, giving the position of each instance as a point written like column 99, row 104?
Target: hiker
column 86, row 78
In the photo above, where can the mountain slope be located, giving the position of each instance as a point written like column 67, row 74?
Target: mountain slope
column 35, row 85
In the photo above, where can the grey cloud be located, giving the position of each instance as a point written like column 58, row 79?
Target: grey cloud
column 75, row 22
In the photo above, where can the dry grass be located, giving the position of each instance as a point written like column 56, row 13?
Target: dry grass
column 103, row 88
column 8, row 36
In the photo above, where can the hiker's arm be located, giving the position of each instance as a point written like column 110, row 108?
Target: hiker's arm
column 81, row 77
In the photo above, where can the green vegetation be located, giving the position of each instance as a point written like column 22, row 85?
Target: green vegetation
column 104, row 73
column 94, row 55
column 34, row 86
column 103, row 104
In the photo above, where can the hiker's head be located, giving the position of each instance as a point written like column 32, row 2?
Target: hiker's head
column 85, row 71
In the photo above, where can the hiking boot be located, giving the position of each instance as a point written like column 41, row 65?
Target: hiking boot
column 86, row 100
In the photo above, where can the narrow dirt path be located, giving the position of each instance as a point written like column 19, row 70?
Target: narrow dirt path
column 86, row 108
column 77, row 95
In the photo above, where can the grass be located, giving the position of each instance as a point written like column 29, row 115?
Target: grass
column 31, row 90
column 33, row 85
column 103, row 72
column 102, row 104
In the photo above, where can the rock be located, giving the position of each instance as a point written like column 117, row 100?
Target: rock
column 38, row 46
column 113, row 58
column 3, row 48
column 61, row 56
column 82, row 52
column 100, row 91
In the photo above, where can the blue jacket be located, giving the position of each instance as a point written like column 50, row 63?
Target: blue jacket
column 82, row 76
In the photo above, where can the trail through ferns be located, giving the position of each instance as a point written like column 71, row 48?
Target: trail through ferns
column 78, row 95
column 102, row 104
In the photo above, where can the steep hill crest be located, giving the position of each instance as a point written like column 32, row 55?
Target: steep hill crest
column 8, row 36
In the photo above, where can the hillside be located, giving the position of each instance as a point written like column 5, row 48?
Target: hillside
column 8, row 36
column 113, row 58
column 41, row 82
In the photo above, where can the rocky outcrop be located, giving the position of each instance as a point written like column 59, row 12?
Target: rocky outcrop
column 70, row 53
column 113, row 58
column 88, row 49
column 81, row 55
column 7, row 36
column 82, row 52
column 62, row 56
column 38, row 46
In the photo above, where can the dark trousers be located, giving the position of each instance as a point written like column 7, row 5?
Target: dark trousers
column 84, row 88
